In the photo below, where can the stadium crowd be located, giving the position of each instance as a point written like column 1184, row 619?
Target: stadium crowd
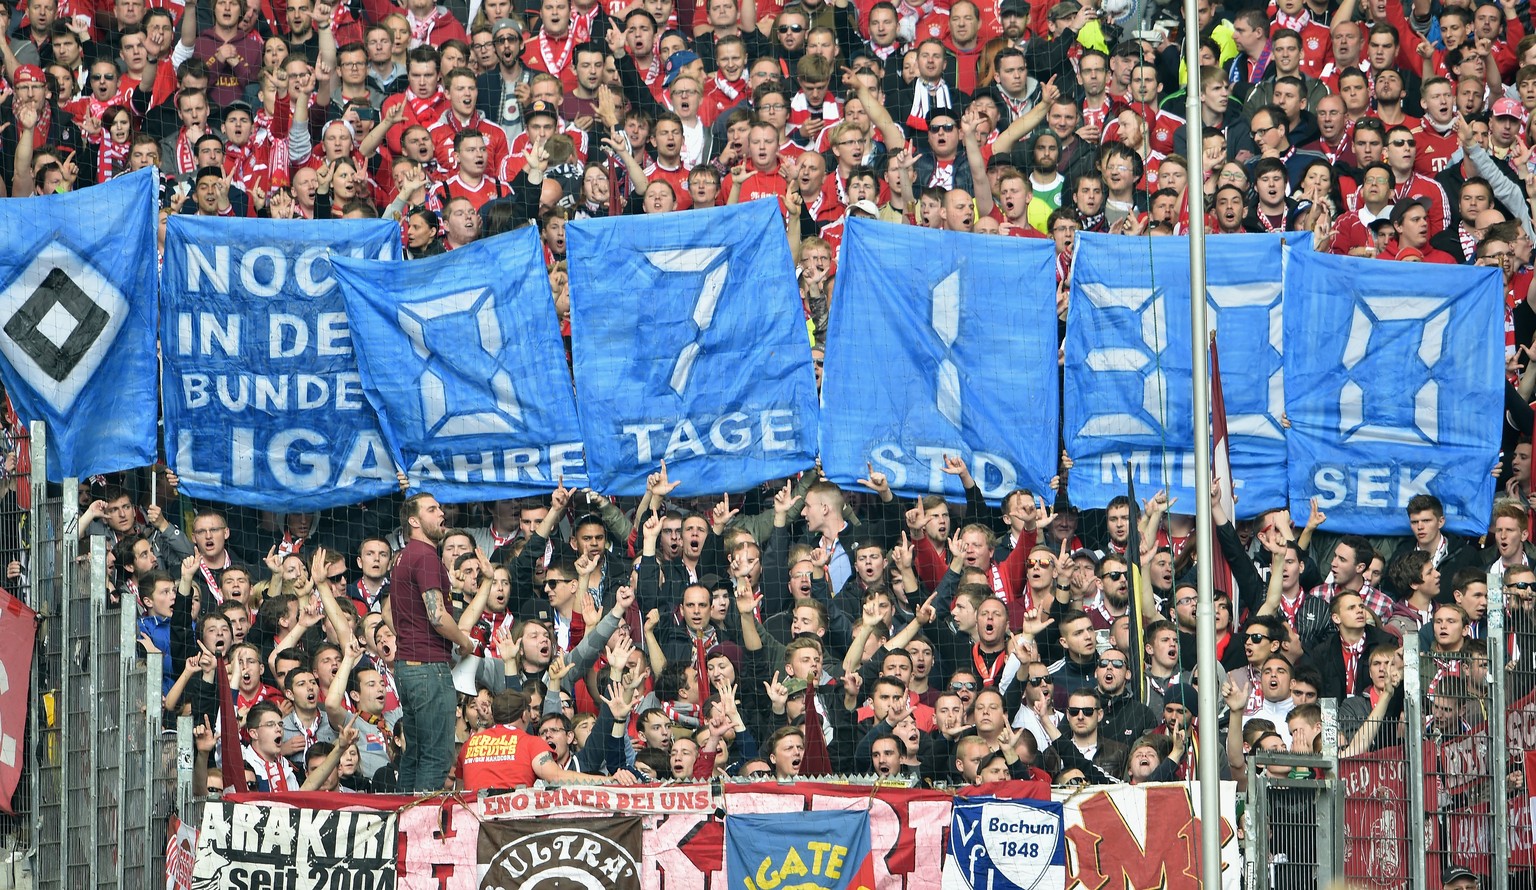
column 809, row 629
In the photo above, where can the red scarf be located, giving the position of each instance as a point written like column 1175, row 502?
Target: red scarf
column 988, row 675
column 186, row 155
column 556, row 64
column 730, row 89
column 108, row 157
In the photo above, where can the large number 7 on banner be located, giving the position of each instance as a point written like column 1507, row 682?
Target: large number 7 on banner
column 693, row 259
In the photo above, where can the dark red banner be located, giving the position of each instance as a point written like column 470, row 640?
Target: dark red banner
column 18, row 627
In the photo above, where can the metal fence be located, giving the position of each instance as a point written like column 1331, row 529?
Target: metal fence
column 97, row 786
column 1294, row 821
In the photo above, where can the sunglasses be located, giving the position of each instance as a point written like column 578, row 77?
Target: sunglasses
column 1114, row 576
column 1041, row 563
column 1257, row 639
column 961, row 685
column 1521, row 585
column 549, row 583
column 947, row 128
column 791, row 29
column 1039, row 681
column 1112, row 662
column 1081, row 712
column 1075, row 782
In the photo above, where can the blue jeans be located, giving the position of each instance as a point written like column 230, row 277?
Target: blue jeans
column 428, row 699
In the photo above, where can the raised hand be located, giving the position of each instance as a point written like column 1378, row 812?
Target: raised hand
column 1034, row 622
column 652, row 620
column 785, row 499
column 870, row 616
column 901, row 554
column 622, row 704
column 926, row 613
column 875, row 482
column 623, row 598
column 658, row 484
column 559, row 498
column 722, row 513
column 558, row 668
column 777, row 694
column 1315, row 517
column 1235, row 695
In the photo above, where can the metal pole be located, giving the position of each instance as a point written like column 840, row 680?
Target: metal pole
column 1498, row 742
column 1413, row 776
column 36, row 745
column 68, row 545
column 1205, row 637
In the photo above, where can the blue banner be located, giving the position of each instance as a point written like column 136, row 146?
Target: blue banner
column 462, row 360
column 941, row 344
column 824, row 850
column 264, row 406
column 1130, row 402
column 997, row 844
column 1399, row 391
column 77, row 322
column 690, row 347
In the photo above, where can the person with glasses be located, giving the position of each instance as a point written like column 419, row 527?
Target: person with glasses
column 1124, row 715
column 1402, row 151
column 210, row 535
column 1372, row 202
column 1083, row 746
column 1262, row 636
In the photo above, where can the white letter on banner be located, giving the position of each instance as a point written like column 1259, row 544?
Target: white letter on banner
column 304, row 273
column 731, row 432
column 366, row 459
column 332, row 335
column 888, row 458
column 1265, row 294
column 693, row 259
column 1148, row 303
column 317, row 465
column 274, row 285
column 278, row 324
column 776, row 421
column 946, row 324
column 217, row 271
column 1436, row 313
column 227, row 334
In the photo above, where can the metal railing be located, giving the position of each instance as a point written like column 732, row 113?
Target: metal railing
column 1294, row 822
column 98, row 778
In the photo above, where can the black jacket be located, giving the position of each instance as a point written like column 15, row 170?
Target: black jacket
column 1328, row 657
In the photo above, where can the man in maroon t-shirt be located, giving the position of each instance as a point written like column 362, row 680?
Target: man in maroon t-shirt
column 426, row 632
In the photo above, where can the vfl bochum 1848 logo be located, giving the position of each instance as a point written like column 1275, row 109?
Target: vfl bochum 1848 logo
column 60, row 318
column 443, row 322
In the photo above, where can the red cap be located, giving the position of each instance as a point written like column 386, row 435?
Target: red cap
column 1508, row 107
column 27, row 74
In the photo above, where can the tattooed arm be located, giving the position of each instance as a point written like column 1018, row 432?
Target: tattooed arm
column 441, row 619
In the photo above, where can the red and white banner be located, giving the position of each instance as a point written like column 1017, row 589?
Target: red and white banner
column 1119, row 836
column 1376, row 851
column 529, row 803
column 18, row 627
column 180, row 854
column 1144, row 836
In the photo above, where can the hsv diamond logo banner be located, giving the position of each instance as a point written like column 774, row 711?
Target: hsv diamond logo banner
column 77, row 320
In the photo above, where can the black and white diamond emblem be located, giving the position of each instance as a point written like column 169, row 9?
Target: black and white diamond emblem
column 57, row 325
column 59, row 318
